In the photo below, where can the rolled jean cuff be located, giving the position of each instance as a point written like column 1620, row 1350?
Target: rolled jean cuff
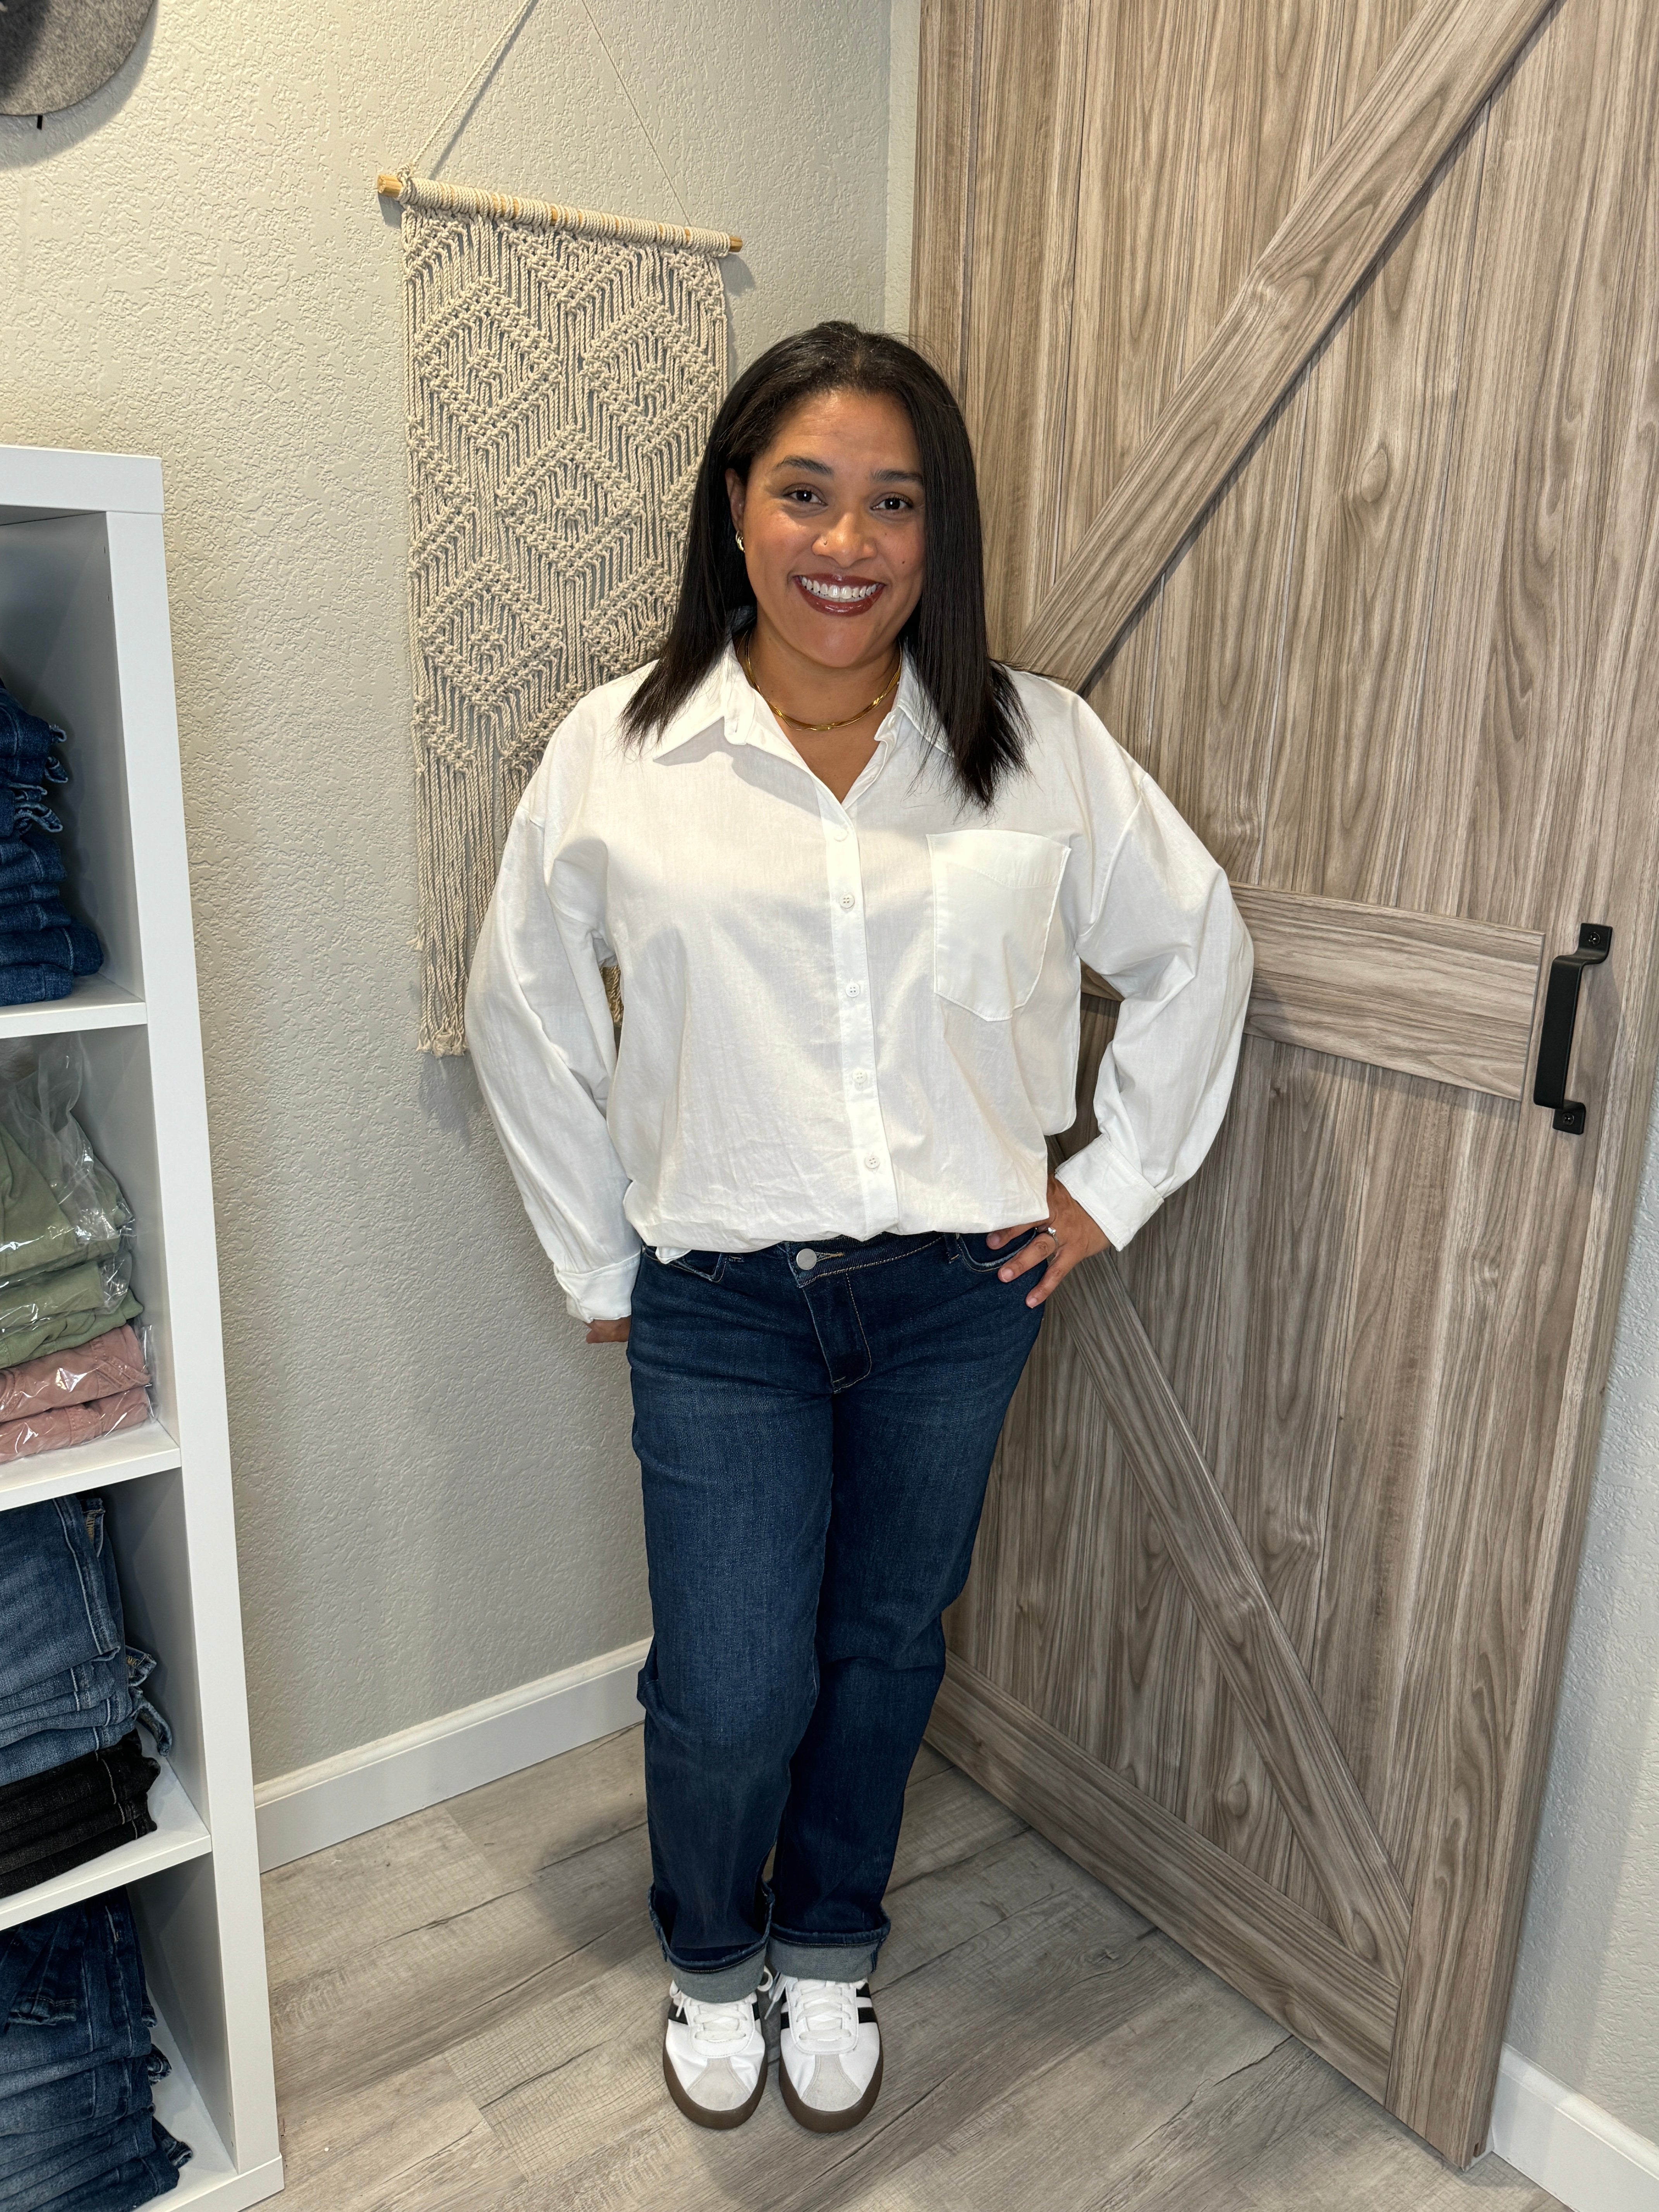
column 720, row 1984
column 846, row 1959
column 720, row 1981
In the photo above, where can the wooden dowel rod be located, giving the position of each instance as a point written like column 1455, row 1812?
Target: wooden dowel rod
column 391, row 187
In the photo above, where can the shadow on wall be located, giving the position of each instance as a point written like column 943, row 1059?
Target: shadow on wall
column 24, row 147
column 1610, row 1704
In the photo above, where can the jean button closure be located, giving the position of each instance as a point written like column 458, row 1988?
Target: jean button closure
column 806, row 1259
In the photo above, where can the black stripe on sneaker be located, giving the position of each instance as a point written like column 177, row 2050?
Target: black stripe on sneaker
column 866, row 2012
column 677, row 2011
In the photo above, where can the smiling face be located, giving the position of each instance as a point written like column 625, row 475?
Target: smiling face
column 834, row 540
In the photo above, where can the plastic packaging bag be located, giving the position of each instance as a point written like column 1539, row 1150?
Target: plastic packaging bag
column 70, row 1397
column 66, row 1231
column 40, row 1082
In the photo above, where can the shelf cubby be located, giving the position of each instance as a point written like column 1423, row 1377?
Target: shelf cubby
column 84, row 642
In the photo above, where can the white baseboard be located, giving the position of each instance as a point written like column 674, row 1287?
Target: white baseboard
column 1569, row 2146
column 317, row 1806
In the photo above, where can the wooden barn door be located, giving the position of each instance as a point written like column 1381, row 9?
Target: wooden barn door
column 1309, row 349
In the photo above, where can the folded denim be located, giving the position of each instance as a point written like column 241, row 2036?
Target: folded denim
column 27, row 863
column 104, row 1365
column 59, row 1426
column 24, row 807
column 76, row 948
column 102, row 1691
column 53, row 1821
column 67, row 1857
column 55, row 1750
column 24, row 736
column 58, row 1596
column 71, row 1996
column 130, row 2185
column 77, row 2063
column 36, row 909
column 33, row 983
column 109, row 2090
column 39, row 1806
column 66, row 2163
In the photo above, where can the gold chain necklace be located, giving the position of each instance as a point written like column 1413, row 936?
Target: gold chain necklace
column 898, row 669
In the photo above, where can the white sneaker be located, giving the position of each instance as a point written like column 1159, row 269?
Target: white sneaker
column 828, row 2052
column 713, row 2058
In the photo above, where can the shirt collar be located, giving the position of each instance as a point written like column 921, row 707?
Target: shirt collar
column 724, row 696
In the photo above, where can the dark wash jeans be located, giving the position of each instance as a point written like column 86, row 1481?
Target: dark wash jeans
column 814, row 1444
column 76, row 2133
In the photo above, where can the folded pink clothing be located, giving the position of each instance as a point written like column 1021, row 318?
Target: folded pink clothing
column 101, row 1367
column 56, row 1425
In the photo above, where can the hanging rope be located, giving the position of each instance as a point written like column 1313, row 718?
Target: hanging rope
column 421, row 191
column 475, row 83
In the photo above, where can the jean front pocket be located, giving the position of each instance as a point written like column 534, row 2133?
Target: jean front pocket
column 993, row 905
column 975, row 1249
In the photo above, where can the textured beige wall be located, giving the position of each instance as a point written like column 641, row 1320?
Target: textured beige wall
column 435, row 1496
column 1586, row 2004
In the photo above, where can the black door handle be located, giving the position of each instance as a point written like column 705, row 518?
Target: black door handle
column 1549, row 1085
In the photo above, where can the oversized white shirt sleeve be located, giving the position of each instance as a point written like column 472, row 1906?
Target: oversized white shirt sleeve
column 1160, row 925
column 539, row 1030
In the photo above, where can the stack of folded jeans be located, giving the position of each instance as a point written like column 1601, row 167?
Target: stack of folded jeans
column 43, row 948
column 75, row 1780
column 70, row 1397
column 78, row 2131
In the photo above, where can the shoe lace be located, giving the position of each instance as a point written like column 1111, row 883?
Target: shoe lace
column 720, row 2026
column 824, row 2014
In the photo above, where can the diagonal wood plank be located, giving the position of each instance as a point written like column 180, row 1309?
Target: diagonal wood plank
column 1274, row 1696
column 1280, row 1957
column 1363, row 188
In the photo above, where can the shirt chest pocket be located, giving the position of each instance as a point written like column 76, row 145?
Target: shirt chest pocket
column 993, row 905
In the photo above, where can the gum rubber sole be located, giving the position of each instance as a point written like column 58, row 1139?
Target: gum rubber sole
column 830, row 2124
column 731, row 2116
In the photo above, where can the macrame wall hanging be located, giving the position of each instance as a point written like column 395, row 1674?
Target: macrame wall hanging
column 564, row 370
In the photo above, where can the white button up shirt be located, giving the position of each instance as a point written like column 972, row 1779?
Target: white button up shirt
column 841, row 1017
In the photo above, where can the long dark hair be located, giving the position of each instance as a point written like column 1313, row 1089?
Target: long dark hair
column 974, row 698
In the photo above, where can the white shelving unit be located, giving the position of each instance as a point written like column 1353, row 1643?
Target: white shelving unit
column 84, row 640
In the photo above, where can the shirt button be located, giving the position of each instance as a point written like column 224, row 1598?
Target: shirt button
column 806, row 1258
column 872, row 1160
column 854, row 990
column 840, row 832
column 847, row 898
column 862, row 1079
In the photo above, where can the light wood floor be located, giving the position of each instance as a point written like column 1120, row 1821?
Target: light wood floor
column 468, row 2015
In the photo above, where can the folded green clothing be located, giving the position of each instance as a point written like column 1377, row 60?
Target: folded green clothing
column 16, row 1289
column 35, row 1230
column 44, row 1296
column 64, row 1332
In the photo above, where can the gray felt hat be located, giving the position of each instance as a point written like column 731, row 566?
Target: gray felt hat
column 55, row 53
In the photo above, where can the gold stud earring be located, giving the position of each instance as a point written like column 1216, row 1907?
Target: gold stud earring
column 737, row 534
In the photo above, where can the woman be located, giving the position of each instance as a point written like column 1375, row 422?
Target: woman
column 849, row 867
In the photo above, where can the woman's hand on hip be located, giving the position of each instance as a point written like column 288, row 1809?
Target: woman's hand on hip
column 1071, row 1235
column 608, row 1332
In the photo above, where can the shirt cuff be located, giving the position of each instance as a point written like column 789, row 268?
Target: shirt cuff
column 606, row 1294
column 1111, row 1193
